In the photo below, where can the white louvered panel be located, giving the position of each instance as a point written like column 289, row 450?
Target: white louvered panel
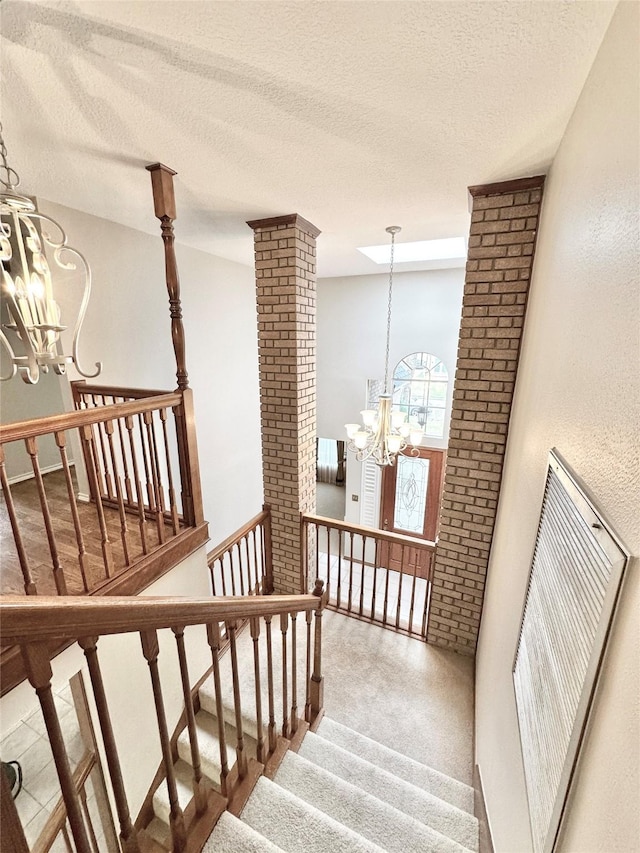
column 575, row 577
column 370, row 508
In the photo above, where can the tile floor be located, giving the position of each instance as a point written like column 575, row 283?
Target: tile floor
column 28, row 744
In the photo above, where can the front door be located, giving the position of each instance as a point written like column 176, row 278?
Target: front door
column 411, row 493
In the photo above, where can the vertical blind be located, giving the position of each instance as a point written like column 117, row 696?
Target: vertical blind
column 575, row 578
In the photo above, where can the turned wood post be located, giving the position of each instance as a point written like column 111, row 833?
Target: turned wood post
column 316, row 689
column 165, row 209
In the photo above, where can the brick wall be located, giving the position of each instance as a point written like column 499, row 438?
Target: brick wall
column 285, row 260
column 504, row 224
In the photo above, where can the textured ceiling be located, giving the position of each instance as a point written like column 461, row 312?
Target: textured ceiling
column 357, row 115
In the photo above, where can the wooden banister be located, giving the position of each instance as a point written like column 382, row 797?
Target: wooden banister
column 80, row 389
column 27, row 618
column 84, row 417
column 224, row 546
column 360, row 530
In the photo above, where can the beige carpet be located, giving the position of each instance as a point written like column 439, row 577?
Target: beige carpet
column 405, row 694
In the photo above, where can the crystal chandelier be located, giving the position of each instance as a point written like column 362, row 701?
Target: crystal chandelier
column 386, row 432
column 29, row 310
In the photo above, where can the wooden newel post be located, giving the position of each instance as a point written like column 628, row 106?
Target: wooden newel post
column 316, row 693
column 165, row 209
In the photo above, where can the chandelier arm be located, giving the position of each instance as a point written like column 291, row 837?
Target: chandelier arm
column 5, row 343
column 30, row 371
column 59, row 247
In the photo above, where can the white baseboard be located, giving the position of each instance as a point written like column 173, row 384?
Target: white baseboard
column 20, row 478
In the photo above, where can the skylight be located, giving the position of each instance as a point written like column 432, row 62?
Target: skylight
column 420, row 250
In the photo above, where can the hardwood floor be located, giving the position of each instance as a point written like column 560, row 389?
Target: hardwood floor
column 35, row 541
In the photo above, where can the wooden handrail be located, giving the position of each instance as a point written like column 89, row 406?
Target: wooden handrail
column 221, row 549
column 27, row 619
column 84, row 389
column 370, row 532
column 71, row 420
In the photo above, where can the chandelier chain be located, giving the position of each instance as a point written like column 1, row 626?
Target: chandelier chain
column 8, row 177
column 386, row 357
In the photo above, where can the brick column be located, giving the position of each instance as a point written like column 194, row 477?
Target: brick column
column 285, row 253
column 504, row 224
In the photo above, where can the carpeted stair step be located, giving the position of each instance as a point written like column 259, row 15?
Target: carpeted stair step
column 359, row 811
column 233, row 836
column 209, row 744
column 159, row 831
column 297, row 827
column 436, row 783
column 417, row 803
column 184, row 785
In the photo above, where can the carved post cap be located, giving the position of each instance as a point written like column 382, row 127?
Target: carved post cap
column 318, row 588
column 164, row 201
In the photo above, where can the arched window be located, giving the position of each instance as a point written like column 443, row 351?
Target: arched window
column 420, row 389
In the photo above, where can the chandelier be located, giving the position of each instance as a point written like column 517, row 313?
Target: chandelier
column 29, row 310
column 385, row 432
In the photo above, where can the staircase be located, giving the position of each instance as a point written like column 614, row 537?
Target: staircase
column 341, row 791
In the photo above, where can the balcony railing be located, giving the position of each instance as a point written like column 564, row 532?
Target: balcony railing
column 370, row 574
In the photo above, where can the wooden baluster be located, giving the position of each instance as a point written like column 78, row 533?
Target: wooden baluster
column 61, row 441
column 375, row 580
column 254, row 626
column 338, row 591
column 233, row 571
column 12, row 839
column 125, row 463
column 427, row 594
column 88, row 440
column 66, row 839
column 128, row 422
column 150, row 650
column 401, row 575
column 413, row 590
column 147, row 467
column 256, row 572
column 212, row 575
column 317, row 679
column 245, row 540
column 28, row 582
column 304, row 554
column 199, row 790
column 284, row 627
column 58, row 571
column 364, row 548
column 237, row 545
column 317, row 549
column 224, row 585
column 241, row 757
column 155, row 476
column 267, row 554
column 294, row 675
column 173, row 507
column 109, row 429
column 213, row 638
column 307, row 682
column 272, row 710
column 350, row 571
column 386, row 586
column 127, row 833
column 107, row 475
column 38, row 669
column 328, row 555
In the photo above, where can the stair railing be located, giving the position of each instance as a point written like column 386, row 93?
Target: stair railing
column 39, row 624
column 373, row 575
column 242, row 563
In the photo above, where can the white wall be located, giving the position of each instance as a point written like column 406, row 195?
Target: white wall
column 578, row 389
column 128, row 329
